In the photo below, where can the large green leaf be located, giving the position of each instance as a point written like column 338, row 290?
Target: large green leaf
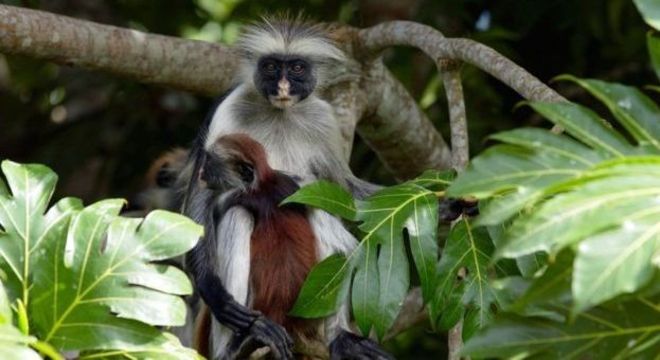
column 26, row 228
column 586, row 126
column 107, row 278
column 88, row 277
column 379, row 266
column 514, row 176
column 468, row 248
column 635, row 111
column 650, row 10
column 629, row 192
column 617, row 261
column 623, row 331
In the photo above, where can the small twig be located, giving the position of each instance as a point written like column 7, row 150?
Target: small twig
column 460, row 146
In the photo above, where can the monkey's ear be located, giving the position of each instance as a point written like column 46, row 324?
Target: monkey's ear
column 246, row 172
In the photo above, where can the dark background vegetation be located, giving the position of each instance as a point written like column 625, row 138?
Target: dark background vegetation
column 100, row 133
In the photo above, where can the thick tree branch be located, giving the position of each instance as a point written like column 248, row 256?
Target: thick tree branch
column 195, row 66
column 407, row 141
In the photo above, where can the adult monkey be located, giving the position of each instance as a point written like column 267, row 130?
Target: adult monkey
column 284, row 62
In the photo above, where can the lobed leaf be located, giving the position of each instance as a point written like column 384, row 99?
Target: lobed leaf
column 378, row 267
column 87, row 276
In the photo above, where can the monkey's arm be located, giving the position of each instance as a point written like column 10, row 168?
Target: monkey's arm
column 251, row 328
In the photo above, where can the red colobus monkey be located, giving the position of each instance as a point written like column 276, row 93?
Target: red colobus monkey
column 282, row 245
column 281, row 249
column 275, row 103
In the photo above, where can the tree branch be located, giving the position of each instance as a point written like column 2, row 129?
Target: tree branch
column 408, row 142
column 195, row 66
column 435, row 45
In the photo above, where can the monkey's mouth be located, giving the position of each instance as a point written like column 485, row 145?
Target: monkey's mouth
column 283, row 102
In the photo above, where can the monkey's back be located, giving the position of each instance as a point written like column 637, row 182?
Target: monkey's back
column 282, row 252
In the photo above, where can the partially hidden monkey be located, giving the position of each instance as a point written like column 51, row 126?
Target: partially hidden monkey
column 275, row 102
column 282, row 242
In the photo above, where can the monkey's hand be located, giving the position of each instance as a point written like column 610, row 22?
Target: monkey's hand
column 262, row 332
column 348, row 346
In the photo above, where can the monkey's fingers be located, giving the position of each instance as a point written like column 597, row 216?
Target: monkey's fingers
column 350, row 346
column 268, row 333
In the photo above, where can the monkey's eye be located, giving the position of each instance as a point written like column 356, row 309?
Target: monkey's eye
column 246, row 172
column 269, row 67
column 297, row 69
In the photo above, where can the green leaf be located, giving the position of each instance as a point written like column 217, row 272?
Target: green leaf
column 469, row 248
column 422, row 231
column 87, row 276
column 13, row 343
column 601, row 203
column 617, row 261
column 586, row 126
column 365, row 295
column 506, row 168
column 165, row 346
column 25, row 226
column 650, row 10
column 107, row 266
column 626, row 330
column 326, row 196
column 384, row 216
column 450, row 309
column 653, row 44
column 634, row 110
column 379, row 267
column 324, row 289
column 553, row 287
column 434, row 180
column 5, row 308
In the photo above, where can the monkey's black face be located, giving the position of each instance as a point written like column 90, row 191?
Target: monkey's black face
column 284, row 80
column 222, row 174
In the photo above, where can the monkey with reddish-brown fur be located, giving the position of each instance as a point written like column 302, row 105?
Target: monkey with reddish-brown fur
column 282, row 243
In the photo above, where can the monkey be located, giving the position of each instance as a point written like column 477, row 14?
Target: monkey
column 159, row 181
column 276, row 103
column 282, row 243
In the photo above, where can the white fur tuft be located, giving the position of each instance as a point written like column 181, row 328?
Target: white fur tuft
column 288, row 36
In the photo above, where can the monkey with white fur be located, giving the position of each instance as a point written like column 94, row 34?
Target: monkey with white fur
column 276, row 104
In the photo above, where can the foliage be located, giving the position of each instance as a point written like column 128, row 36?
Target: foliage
column 376, row 274
column 589, row 199
column 85, row 278
column 562, row 261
